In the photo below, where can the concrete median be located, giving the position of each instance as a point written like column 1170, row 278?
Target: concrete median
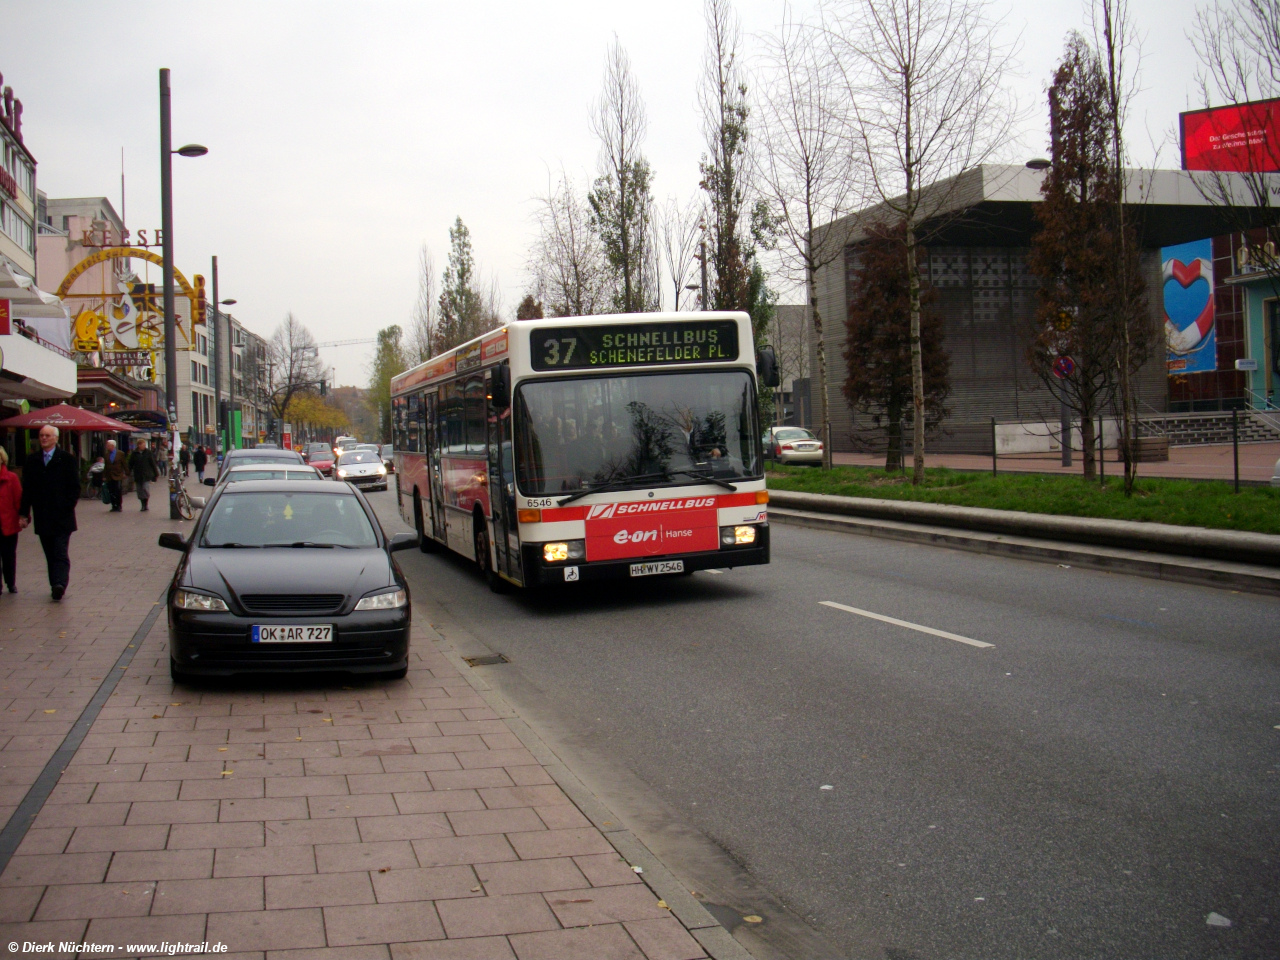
column 1230, row 545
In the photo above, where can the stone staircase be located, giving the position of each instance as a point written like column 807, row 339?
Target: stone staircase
column 1190, row 429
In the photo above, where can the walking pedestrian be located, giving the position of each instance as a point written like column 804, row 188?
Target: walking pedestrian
column 184, row 459
column 145, row 472
column 115, row 469
column 10, row 522
column 199, row 459
column 50, row 490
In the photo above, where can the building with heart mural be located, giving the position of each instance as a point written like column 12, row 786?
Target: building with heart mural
column 975, row 259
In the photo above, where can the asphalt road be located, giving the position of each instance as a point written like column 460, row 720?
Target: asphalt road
column 1102, row 781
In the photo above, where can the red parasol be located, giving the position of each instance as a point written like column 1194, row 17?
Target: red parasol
column 66, row 417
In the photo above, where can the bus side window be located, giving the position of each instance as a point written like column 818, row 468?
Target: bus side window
column 428, row 422
column 475, row 407
column 455, row 439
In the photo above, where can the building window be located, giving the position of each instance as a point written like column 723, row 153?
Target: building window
column 195, row 410
column 17, row 227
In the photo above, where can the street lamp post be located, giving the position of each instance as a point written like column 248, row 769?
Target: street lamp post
column 166, row 226
column 222, row 426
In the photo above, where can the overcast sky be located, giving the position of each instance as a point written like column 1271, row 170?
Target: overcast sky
column 342, row 136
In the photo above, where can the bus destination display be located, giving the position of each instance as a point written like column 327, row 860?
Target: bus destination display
column 633, row 344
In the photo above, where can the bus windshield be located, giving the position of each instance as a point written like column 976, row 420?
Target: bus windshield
column 652, row 428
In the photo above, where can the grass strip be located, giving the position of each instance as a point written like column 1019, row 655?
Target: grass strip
column 1191, row 503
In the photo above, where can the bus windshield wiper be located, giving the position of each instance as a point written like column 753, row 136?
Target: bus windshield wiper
column 618, row 484
column 705, row 478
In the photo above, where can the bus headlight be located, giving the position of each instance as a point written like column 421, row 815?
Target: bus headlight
column 564, row 550
column 739, row 536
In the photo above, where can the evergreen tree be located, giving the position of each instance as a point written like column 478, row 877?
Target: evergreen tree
column 462, row 308
column 388, row 361
column 878, row 343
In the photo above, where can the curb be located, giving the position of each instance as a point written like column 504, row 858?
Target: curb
column 1228, row 545
column 1204, row 572
column 702, row 926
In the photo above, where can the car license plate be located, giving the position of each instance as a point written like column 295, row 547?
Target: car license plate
column 300, row 633
column 662, row 566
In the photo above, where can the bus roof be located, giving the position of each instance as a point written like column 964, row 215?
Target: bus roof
column 506, row 341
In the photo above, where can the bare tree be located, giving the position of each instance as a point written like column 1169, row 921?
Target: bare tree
column 424, row 321
column 1116, row 40
column 805, row 168
column 567, row 262
column 925, row 87
column 622, row 197
column 679, row 229
column 294, row 363
column 1238, row 45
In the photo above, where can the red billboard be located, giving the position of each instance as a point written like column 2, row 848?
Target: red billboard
column 1242, row 138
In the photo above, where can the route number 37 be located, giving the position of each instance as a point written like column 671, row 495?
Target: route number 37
column 554, row 346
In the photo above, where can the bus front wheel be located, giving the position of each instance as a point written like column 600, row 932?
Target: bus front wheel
column 484, row 559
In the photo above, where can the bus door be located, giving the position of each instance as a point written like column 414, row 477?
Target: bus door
column 435, row 437
column 502, row 493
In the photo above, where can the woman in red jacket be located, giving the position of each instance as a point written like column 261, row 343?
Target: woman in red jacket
column 10, row 498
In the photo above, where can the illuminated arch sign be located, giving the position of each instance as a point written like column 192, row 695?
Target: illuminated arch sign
column 125, row 326
column 1241, row 138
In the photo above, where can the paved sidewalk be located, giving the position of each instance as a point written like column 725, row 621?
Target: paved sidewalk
column 1211, row 462
column 347, row 819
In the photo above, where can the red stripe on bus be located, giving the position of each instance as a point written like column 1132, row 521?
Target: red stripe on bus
column 561, row 514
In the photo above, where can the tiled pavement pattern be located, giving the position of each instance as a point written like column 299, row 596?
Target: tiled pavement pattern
column 350, row 820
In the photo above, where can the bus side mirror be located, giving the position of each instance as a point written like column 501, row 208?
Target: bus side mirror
column 767, row 366
column 500, row 387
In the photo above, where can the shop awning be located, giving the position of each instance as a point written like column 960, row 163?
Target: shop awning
column 66, row 417
column 41, row 313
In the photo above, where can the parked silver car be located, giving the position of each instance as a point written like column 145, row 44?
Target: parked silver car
column 792, row 445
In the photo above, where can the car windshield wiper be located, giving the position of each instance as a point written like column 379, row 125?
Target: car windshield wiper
column 618, row 484
column 231, row 544
column 705, row 478
column 302, row 543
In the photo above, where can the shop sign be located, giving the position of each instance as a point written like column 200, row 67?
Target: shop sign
column 4, row 318
column 126, row 358
column 8, row 184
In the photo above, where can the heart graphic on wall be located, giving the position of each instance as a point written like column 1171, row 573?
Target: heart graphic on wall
column 1188, row 303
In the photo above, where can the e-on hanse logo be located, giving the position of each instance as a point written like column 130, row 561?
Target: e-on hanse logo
column 640, row 536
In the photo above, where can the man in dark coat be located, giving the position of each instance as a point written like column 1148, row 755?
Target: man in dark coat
column 51, row 489
column 145, row 472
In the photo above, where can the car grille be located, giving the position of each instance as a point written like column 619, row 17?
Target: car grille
column 278, row 603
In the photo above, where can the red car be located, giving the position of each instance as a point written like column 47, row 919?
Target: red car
column 320, row 456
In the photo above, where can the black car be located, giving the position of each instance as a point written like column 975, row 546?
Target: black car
column 288, row 575
column 234, row 458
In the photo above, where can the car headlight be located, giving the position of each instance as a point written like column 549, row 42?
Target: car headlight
column 382, row 471
column 564, row 550
column 342, row 474
column 186, row 600
column 384, row 601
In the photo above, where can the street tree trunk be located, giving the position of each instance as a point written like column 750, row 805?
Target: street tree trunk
column 917, row 365
column 824, row 428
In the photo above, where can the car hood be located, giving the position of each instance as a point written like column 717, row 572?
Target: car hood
column 359, row 468
column 288, row 570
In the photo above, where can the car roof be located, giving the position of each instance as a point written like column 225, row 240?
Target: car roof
column 246, row 467
column 246, row 453
column 288, row 486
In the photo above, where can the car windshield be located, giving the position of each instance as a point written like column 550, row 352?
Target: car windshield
column 261, row 518
column 387, row 450
column 793, row 433
column 359, row 456
column 269, row 473
column 646, row 429
column 318, row 448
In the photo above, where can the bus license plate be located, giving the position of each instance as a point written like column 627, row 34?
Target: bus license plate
column 662, row 566
column 302, row 633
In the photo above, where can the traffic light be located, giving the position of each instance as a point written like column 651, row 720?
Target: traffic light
column 222, row 414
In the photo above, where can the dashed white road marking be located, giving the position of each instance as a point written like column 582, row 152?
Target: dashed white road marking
column 910, row 626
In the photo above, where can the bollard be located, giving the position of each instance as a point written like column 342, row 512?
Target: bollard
column 1235, row 446
column 993, row 446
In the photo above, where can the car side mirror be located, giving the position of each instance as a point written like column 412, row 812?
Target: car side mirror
column 199, row 502
column 210, row 482
column 500, row 387
column 173, row 541
column 767, row 366
column 403, row 541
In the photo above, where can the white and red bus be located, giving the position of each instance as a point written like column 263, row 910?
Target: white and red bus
column 581, row 448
